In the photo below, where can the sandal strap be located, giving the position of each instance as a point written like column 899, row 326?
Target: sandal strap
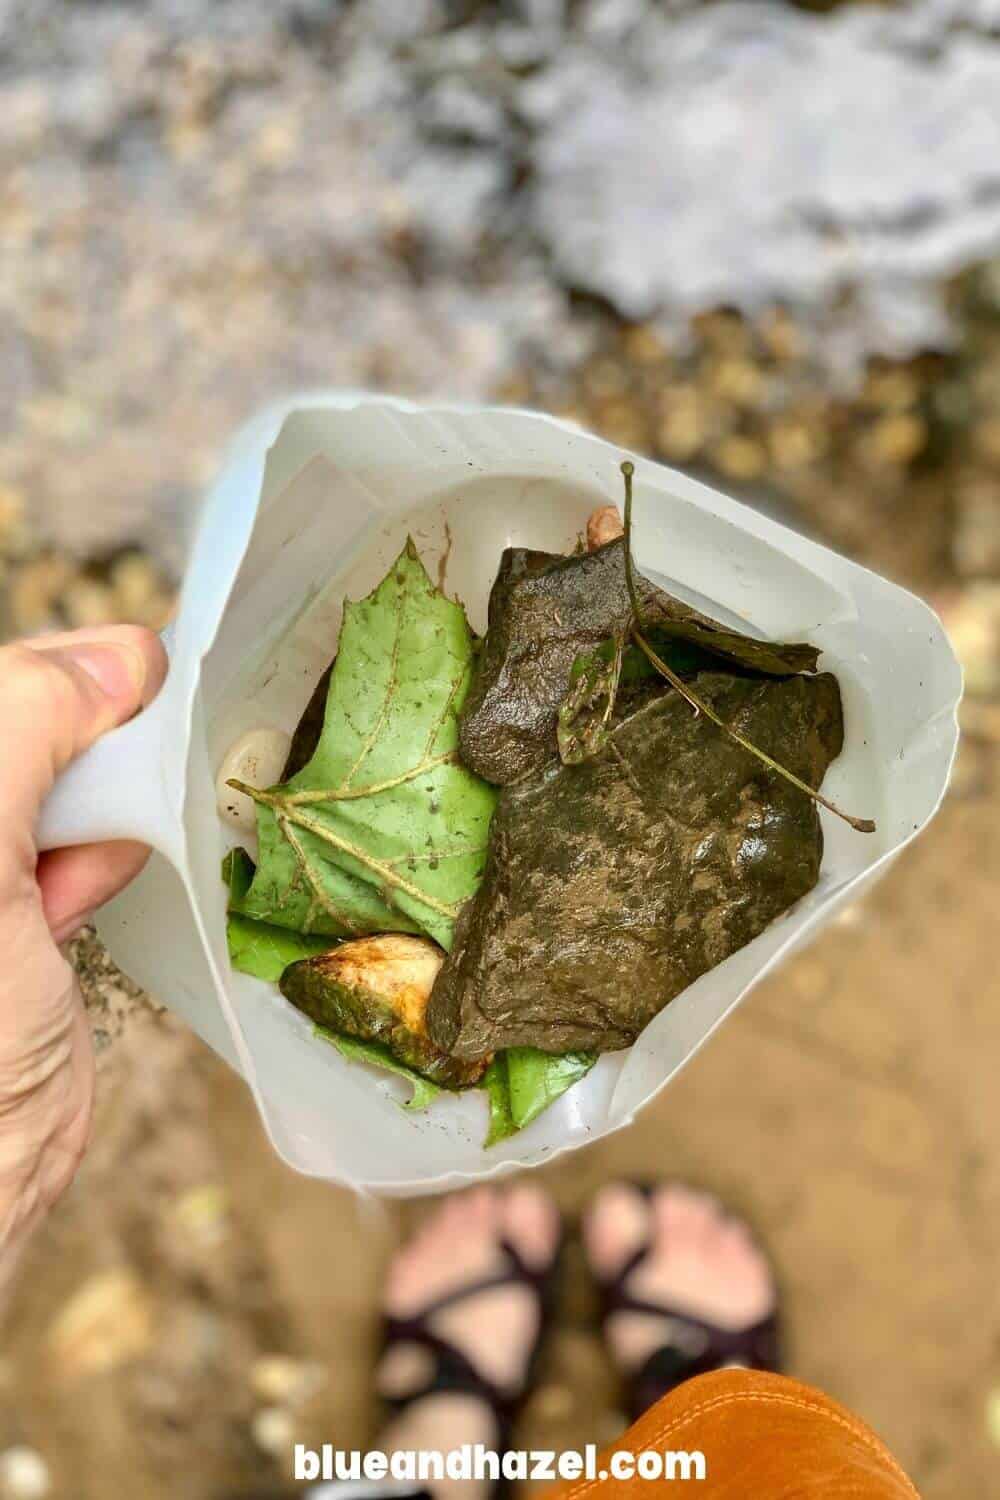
column 453, row 1371
column 691, row 1345
column 694, row 1347
column 516, row 1273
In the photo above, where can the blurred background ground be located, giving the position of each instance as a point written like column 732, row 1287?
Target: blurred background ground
column 203, row 206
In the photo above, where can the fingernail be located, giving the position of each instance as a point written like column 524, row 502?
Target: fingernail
column 118, row 671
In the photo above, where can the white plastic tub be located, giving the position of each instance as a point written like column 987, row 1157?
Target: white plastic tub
column 313, row 505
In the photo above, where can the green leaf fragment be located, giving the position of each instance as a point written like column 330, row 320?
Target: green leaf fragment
column 537, row 1079
column 522, row 1082
column 258, row 948
column 376, row 1056
column 584, row 718
column 497, row 1087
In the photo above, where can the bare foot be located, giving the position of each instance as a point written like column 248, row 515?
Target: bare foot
column 700, row 1262
column 456, row 1246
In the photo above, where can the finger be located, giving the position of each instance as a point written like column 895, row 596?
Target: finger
column 56, row 698
column 133, row 637
column 75, row 882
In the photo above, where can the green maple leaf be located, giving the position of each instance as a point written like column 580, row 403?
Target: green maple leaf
column 383, row 830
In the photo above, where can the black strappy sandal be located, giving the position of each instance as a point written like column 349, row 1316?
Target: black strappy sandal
column 453, row 1371
column 692, row 1346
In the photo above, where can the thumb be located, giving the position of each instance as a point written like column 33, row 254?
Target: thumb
column 58, row 695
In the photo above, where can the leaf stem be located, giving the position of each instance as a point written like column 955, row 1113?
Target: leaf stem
column 861, row 825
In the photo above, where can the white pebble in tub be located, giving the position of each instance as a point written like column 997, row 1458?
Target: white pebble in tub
column 257, row 758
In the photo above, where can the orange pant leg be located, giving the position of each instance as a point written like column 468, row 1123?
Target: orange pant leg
column 764, row 1437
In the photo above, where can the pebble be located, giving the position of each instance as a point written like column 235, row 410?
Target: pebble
column 739, row 381
column 280, row 1380
column 88, row 602
column 134, row 582
column 682, row 426
column 13, row 521
column 108, row 1321
column 993, row 1417
column 603, row 526
column 972, row 620
column 897, row 440
column 273, row 1431
column 740, row 457
column 257, row 758
column 975, row 543
column 24, row 1475
column 35, row 590
column 202, row 1215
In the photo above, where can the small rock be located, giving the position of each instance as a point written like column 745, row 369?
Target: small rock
column 738, row 381
column 893, row 388
column 780, row 336
column 273, row 1431
column 280, row 1380
column 972, row 620
column 87, row 601
column 793, row 444
column 13, row 522
column 896, row 440
column 134, row 582
column 603, row 526
column 202, row 1215
column 993, row 1417
column 739, row 457
column 24, row 1475
column 683, row 422
column 643, row 345
column 106, row 1323
column 976, row 541
column 34, row 591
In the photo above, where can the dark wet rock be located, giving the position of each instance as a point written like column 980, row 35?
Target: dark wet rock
column 544, row 612
column 611, row 885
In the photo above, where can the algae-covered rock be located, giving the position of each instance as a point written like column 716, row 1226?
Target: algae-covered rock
column 612, row 884
column 377, row 989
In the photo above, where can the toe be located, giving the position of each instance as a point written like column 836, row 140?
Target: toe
column 679, row 1216
column 615, row 1227
column 531, row 1224
column 456, row 1243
